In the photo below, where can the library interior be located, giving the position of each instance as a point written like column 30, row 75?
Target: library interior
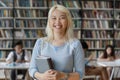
column 95, row 23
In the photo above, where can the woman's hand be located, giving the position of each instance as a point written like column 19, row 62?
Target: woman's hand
column 58, row 75
column 110, row 59
column 48, row 75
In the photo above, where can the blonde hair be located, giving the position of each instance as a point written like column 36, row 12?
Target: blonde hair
column 69, row 31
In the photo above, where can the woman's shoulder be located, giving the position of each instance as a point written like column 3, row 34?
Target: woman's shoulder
column 41, row 39
column 74, row 42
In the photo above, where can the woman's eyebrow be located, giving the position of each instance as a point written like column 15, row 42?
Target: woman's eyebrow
column 60, row 15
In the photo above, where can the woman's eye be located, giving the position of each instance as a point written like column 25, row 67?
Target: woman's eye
column 53, row 18
column 63, row 17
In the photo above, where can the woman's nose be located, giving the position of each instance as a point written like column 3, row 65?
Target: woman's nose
column 57, row 22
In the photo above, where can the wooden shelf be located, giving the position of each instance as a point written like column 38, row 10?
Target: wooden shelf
column 88, row 19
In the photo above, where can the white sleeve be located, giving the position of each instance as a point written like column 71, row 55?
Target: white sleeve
column 10, row 57
column 27, row 56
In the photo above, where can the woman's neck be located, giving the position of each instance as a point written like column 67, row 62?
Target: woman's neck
column 59, row 36
column 59, row 40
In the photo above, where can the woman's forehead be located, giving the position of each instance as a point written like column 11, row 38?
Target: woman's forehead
column 58, row 13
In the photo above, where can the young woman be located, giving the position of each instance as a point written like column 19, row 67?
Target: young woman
column 65, row 51
column 92, row 70
column 108, row 55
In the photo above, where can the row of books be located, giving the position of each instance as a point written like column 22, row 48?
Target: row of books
column 6, row 3
column 97, row 4
column 117, row 24
column 97, row 14
column 6, row 13
column 20, row 34
column 76, row 13
column 6, row 44
column 6, row 23
column 31, row 23
column 29, row 43
column 92, row 34
column 30, row 13
column 30, row 3
column 77, row 24
column 98, row 44
column 23, row 13
column 39, row 3
column 100, row 4
column 97, row 24
column 117, row 34
column 6, row 33
column 117, row 43
column 85, row 4
column 101, row 15
column 3, row 54
column 66, row 3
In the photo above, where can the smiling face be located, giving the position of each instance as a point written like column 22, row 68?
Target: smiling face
column 18, row 49
column 108, row 50
column 58, row 21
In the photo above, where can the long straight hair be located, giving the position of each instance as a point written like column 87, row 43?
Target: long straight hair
column 69, row 31
column 112, row 51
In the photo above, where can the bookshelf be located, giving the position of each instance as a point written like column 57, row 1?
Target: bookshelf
column 117, row 26
column 21, row 20
column 6, row 26
column 100, row 24
column 30, row 21
column 95, row 21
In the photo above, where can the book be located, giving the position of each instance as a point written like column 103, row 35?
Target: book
column 44, row 63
